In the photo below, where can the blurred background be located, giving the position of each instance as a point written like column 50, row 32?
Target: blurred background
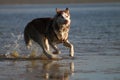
column 54, row 1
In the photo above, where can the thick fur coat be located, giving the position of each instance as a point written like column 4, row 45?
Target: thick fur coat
column 50, row 32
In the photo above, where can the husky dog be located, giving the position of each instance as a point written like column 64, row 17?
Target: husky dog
column 49, row 32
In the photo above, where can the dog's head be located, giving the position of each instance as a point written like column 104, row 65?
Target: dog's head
column 62, row 17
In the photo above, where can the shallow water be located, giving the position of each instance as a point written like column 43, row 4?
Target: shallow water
column 95, row 31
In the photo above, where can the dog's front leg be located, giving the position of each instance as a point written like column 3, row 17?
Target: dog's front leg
column 68, row 44
column 57, row 51
column 43, row 42
column 48, row 53
column 55, row 48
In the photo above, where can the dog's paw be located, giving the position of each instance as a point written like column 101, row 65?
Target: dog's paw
column 56, row 57
column 50, row 56
column 71, row 55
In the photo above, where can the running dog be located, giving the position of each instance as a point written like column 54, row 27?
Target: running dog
column 50, row 32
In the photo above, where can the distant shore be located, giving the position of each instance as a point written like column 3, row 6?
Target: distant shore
column 2, row 2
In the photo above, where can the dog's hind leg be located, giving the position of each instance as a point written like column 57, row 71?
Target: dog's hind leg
column 68, row 44
column 27, row 39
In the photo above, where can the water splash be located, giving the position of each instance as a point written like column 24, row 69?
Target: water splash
column 16, row 49
column 15, row 43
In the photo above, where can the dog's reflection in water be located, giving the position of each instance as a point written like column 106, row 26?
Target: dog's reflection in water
column 47, row 70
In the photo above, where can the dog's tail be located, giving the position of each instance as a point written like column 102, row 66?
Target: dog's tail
column 27, row 37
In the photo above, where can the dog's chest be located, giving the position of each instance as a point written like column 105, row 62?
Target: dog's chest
column 61, row 36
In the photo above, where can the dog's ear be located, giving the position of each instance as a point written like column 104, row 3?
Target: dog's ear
column 67, row 10
column 57, row 10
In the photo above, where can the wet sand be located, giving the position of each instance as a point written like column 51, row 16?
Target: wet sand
column 94, row 67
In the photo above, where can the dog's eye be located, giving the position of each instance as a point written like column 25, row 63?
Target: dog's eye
column 58, row 14
column 62, row 17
